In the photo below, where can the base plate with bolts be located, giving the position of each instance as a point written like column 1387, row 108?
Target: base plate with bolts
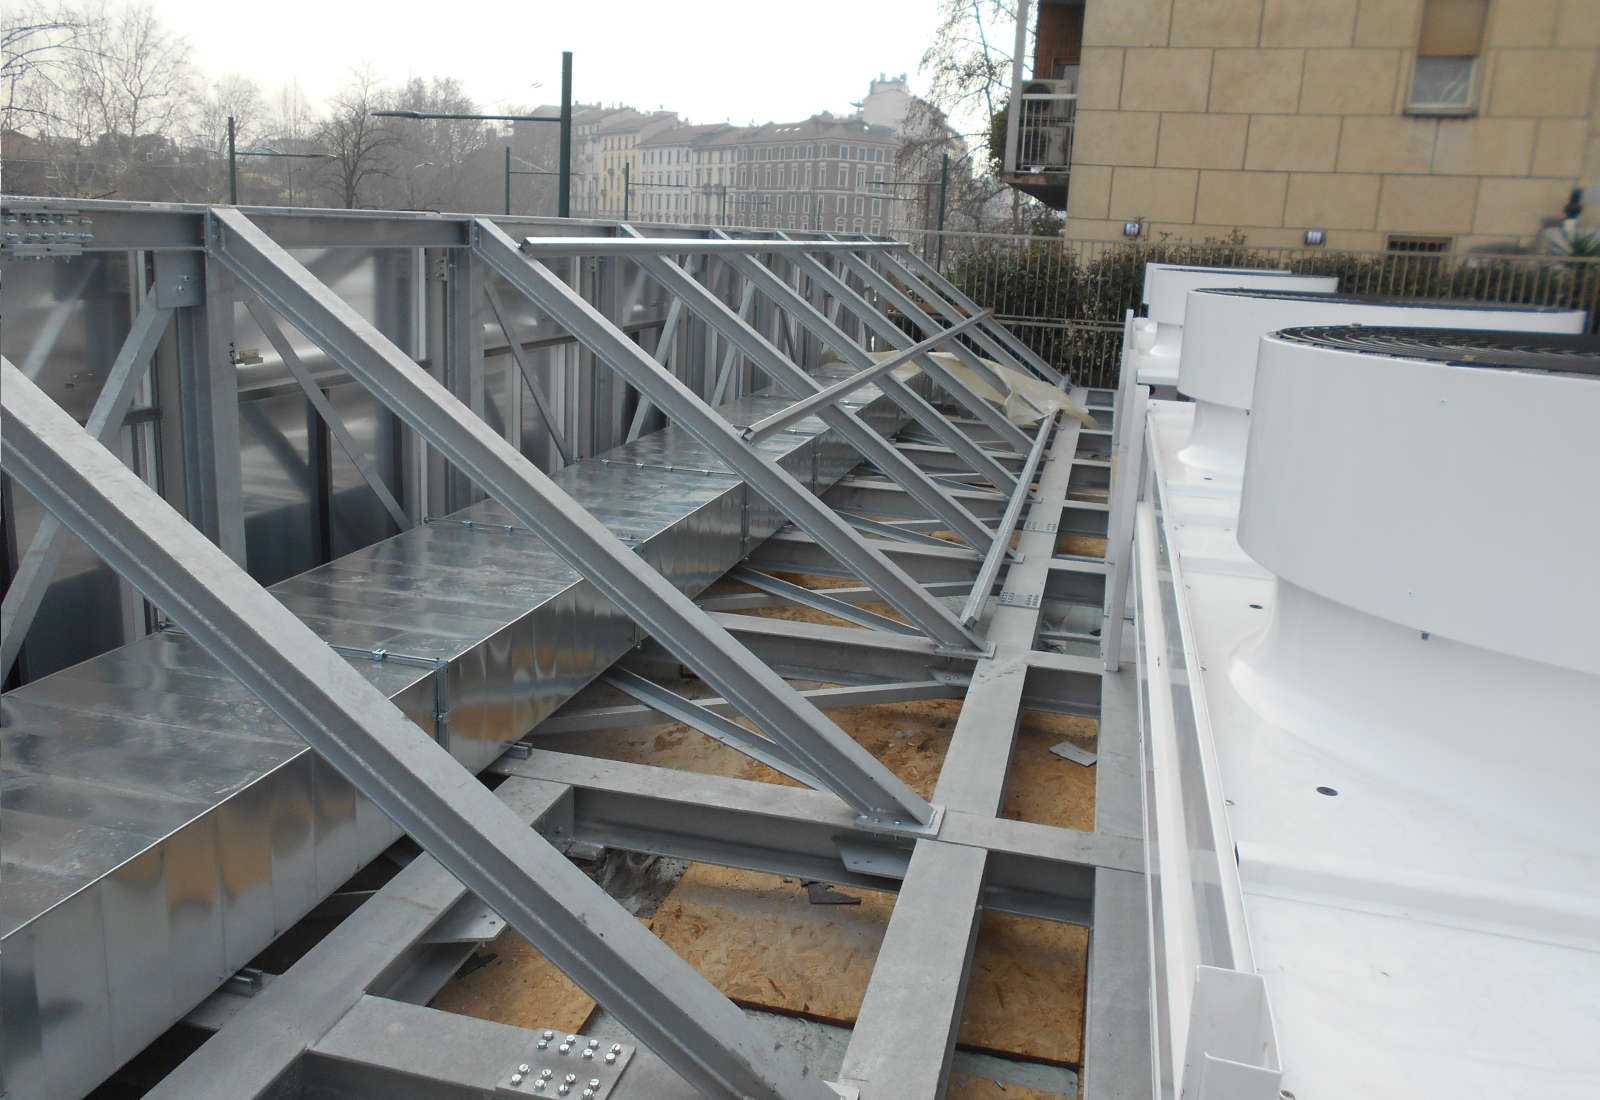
column 564, row 1065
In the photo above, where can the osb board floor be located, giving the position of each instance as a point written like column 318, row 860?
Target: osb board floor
column 758, row 938
column 964, row 1086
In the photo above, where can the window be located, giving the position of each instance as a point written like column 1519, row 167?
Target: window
column 877, row 208
column 844, row 176
column 858, row 225
column 860, row 202
column 877, row 227
column 838, row 225
column 1443, row 79
column 861, row 177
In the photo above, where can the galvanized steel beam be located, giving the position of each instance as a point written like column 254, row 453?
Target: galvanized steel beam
column 768, row 359
column 683, row 407
column 831, row 333
column 371, row 743
column 37, row 567
column 582, row 541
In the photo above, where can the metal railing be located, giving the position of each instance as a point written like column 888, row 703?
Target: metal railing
column 1065, row 298
column 1044, row 136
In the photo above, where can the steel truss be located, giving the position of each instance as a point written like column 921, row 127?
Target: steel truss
column 339, row 1021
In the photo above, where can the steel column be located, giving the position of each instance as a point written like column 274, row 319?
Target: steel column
column 581, row 540
column 330, row 417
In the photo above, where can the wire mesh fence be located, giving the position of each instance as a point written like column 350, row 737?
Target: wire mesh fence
column 1066, row 298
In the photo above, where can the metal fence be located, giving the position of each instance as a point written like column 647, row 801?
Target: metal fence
column 1066, row 298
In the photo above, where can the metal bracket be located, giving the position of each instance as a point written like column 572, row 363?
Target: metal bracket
column 874, row 823
column 1019, row 599
column 567, row 1065
column 1037, row 525
column 467, row 921
column 865, row 859
column 180, row 279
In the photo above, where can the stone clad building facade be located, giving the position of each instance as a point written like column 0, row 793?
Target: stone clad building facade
column 1435, row 124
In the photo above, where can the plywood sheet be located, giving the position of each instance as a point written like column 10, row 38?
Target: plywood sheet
column 513, row 983
column 758, row 938
column 1042, row 787
column 1087, row 546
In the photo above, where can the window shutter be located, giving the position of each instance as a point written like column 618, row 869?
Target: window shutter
column 1452, row 28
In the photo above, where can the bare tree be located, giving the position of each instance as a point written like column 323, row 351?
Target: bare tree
column 439, row 163
column 359, row 143
column 134, row 74
column 37, row 44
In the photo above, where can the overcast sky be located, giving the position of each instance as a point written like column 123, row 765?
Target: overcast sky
column 709, row 60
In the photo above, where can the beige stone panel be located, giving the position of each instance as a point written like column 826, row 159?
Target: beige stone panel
column 1426, row 204
column 1350, row 82
column 1089, row 192
column 1523, row 23
column 1100, row 78
column 1090, row 229
column 1266, row 81
column 1389, row 23
column 1126, row 23
column 1579, row 23
column 1590, row 176
column 1558, row 150
column 1115, row 137
column 1332, row 200
column 1241, row 198
column 1308, row 22
column 1216, row 22
column 1286, row 143
column 1166, row 80
column 1541, row 83
column 1484, row 146
column 1202, row 141
column 1157, row 194
column 1377, row 144
column 1516, row 207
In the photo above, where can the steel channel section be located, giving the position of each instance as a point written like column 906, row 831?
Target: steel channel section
column 847, row 302
column 805, row 407
column 38, row 565
column 683, row 407
column 942, row 293
column 540, row 505
column 916, row 265
column 376, row 747
column 833, row 336
column 897, row 1047
column 1007, row 432
column 560, row 632
column 709, row 308
column 636, row 247
column 1008, row 523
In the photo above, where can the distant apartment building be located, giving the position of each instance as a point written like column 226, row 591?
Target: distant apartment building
column 616, row 158
column 1421, row 125
column 668, row 183
column 820, row 174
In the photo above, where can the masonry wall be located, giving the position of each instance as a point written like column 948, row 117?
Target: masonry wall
column 1273, row 116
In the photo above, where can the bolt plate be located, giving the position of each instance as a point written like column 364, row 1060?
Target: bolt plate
column 560, row 1065
column 1019, row 599
column 1030, row 525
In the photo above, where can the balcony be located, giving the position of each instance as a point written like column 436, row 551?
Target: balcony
column 1039, row 157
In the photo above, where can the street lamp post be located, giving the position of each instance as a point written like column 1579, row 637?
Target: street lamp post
column 235, row 153
column 564, row 120
column 943, row 185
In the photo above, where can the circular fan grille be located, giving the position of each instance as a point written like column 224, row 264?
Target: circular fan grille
column 1378, row 300
column 1553, row 353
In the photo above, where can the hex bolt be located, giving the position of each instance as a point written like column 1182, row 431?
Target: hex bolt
column 516, row 1078
column 593, row 1043
column 572, row 1078
column 610, row 1057
column 543, row 1043
column 546, row 1072
column 572, row 1038
column 594, row 1082
column 588, row 1094
column 523, row 1068
column 588, row 1054
column 548, row 1034
column 616, row 1048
